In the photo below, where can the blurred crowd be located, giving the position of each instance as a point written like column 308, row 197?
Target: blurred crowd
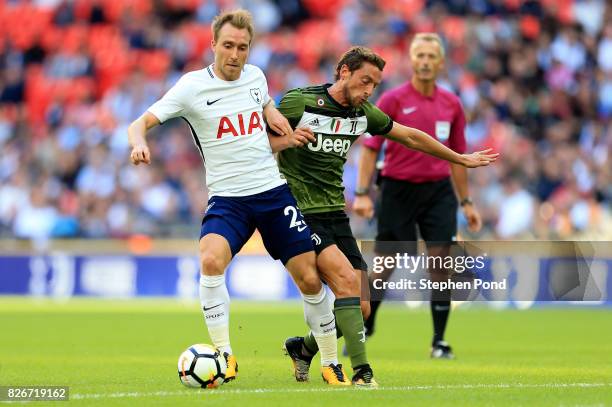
column 535, row 78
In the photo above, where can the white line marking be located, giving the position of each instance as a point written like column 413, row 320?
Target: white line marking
column 337, row 389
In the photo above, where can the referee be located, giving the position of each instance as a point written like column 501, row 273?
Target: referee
column 417, row 189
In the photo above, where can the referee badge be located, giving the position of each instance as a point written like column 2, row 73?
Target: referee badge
column 443, row 131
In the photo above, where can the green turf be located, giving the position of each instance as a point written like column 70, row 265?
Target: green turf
column 124, row 353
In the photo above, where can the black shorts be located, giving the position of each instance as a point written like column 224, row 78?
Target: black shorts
column 331, row 228
column 402, row 206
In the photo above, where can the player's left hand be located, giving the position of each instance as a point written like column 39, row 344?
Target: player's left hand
column 300, row 137
column 473, row 217
column 479, row 158
column 277, row 122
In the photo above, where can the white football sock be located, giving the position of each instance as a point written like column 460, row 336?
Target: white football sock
column 318, row 311
column 215, row 300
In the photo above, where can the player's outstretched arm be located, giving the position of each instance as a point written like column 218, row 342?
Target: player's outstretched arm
column 136, row 136
column 420, row 141
column 296, row 138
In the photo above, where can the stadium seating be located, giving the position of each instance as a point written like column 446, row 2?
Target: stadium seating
column 505, row 59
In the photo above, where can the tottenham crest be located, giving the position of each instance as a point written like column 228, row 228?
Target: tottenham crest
column 256, row 95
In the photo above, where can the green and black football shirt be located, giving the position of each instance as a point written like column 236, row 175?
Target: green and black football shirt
column 314, row 172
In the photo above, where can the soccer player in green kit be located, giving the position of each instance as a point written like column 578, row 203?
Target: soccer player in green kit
column 337, row 114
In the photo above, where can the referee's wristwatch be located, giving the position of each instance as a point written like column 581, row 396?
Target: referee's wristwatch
column 466, row 201
column 362, row 191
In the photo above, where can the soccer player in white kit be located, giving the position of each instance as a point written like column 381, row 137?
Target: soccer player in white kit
column 225, row 105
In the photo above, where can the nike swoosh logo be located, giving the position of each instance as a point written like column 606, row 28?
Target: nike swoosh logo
column 209, row 308
column 301, row 228
column 208, row 102
column 409, row 110
column 324, row 325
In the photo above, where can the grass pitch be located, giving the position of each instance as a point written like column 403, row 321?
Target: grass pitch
column 125, row 353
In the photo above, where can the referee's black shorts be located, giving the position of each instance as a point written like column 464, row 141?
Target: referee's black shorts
column 403, row 205
column 331, row 228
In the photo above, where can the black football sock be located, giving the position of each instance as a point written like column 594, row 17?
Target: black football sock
column 439, row 314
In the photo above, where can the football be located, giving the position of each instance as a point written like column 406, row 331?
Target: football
column 202, row 366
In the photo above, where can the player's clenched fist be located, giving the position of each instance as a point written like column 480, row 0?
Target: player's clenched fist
column 363, row 206
column 140, row 154
column 136, row 138
column 301, row 136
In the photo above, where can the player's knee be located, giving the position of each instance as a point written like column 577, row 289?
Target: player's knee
column 346, row 284
column 210, row 264
column 309, row 283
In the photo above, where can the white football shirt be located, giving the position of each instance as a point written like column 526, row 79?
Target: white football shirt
column 226, row 121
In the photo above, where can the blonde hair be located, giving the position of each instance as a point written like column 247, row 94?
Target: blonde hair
column 239, row 18
column 428, row 37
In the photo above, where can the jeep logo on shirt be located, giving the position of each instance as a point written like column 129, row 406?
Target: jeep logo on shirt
column 327, row 145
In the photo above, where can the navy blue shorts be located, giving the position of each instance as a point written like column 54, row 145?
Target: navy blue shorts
column 274, row 213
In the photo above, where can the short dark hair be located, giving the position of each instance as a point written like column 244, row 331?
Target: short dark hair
column 356, row 56
column 239, row 18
